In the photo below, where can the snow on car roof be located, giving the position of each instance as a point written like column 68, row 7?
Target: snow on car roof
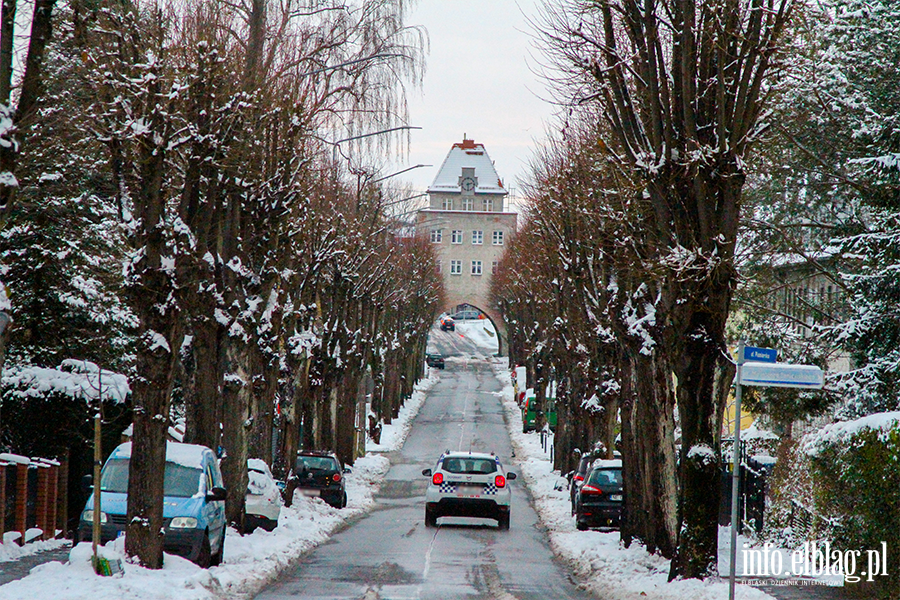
column 610, row 463
column 188, row 455
column 258, row 464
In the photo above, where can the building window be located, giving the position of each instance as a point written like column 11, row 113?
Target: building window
column 456, row 236
column 456, row 267
column 447, row 204
column 440, row 266
column 437, row 235
column 494, row 266
column 468, row 204
column 489, row 204
column 476, row 267
column 477, row 237
column 497, row 238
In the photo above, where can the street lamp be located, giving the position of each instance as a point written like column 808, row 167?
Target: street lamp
column 351, row 62
column 336, row 144
column 399, row 173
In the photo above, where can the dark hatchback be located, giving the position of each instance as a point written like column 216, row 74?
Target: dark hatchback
column 434, row 360
column 599, row 502
column 319, row 475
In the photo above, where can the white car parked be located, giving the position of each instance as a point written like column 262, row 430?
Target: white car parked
column 263, row 501
column 468, row 484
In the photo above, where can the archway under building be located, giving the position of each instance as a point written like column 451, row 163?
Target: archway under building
column 466, row 307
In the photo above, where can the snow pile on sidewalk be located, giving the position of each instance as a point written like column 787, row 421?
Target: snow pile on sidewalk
column 251, row 561
column 11, row 550
column 608, row 569
column 394, row 434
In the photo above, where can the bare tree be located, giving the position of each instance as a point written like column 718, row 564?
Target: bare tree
column 681, row 84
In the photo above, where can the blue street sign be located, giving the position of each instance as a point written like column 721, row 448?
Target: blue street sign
column 769, row 355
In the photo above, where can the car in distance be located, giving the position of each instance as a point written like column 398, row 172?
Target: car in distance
column 263, row 502
column 599, row 501
column 468, row 484
column 447, row 324
column 193, row 502
column 435, row 360
column 467, row 314
column 318, row 474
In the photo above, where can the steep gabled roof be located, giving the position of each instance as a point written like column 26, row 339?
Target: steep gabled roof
column 468, row 154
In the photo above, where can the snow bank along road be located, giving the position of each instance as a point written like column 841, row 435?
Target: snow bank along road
column 390, row 554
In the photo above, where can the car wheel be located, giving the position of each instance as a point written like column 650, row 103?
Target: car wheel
column 204, row 558
column 219, row 556
column 503, row 521
column 431, row 517
column 581, row 525
column 344, row 501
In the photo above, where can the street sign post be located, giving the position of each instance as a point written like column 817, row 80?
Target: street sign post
column 757, row 367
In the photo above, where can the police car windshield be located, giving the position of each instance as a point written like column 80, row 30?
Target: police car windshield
column 469, row 466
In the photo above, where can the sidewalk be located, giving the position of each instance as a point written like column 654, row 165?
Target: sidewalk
column 21, row 567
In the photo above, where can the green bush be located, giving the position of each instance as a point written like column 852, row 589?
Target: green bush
column 856, row 482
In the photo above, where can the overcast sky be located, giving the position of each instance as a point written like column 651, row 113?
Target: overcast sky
column 479, row 82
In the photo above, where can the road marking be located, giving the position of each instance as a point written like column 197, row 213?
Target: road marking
column 427, row 563
column 462, row 429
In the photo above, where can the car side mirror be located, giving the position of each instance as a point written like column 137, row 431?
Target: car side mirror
column 87, row 482
column 216, row 494
column 348, row 470
column 426, row 472
column 510, row 476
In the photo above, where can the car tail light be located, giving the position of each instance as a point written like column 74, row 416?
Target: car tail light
column 437, row 478
column 591, row 490
column 579, row 478
column 500, row 481
column 337, row 477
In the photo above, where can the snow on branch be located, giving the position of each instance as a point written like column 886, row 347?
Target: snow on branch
column 78, row 379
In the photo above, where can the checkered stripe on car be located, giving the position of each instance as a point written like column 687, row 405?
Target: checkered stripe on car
column 448, row 488
column 489, row 488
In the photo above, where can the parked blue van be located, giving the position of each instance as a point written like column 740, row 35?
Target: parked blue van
column 194, row 504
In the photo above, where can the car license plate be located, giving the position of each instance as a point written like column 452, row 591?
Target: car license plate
column 311, row 493
column 469, row 490
column 615, row 497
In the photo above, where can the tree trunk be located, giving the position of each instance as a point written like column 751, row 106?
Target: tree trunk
column 704, row 375
column 236, row 403
column 151, row 291
column 648, row 436
column 204, row 404
column 151, row 392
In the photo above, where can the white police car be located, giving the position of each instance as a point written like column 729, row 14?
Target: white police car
column 468, row 484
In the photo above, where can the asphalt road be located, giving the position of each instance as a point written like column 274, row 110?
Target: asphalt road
column 389, row 554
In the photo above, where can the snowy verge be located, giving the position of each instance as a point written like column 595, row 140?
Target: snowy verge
column 394, row 434
column 251, row 561
column 10, row 550
column 605, row 567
